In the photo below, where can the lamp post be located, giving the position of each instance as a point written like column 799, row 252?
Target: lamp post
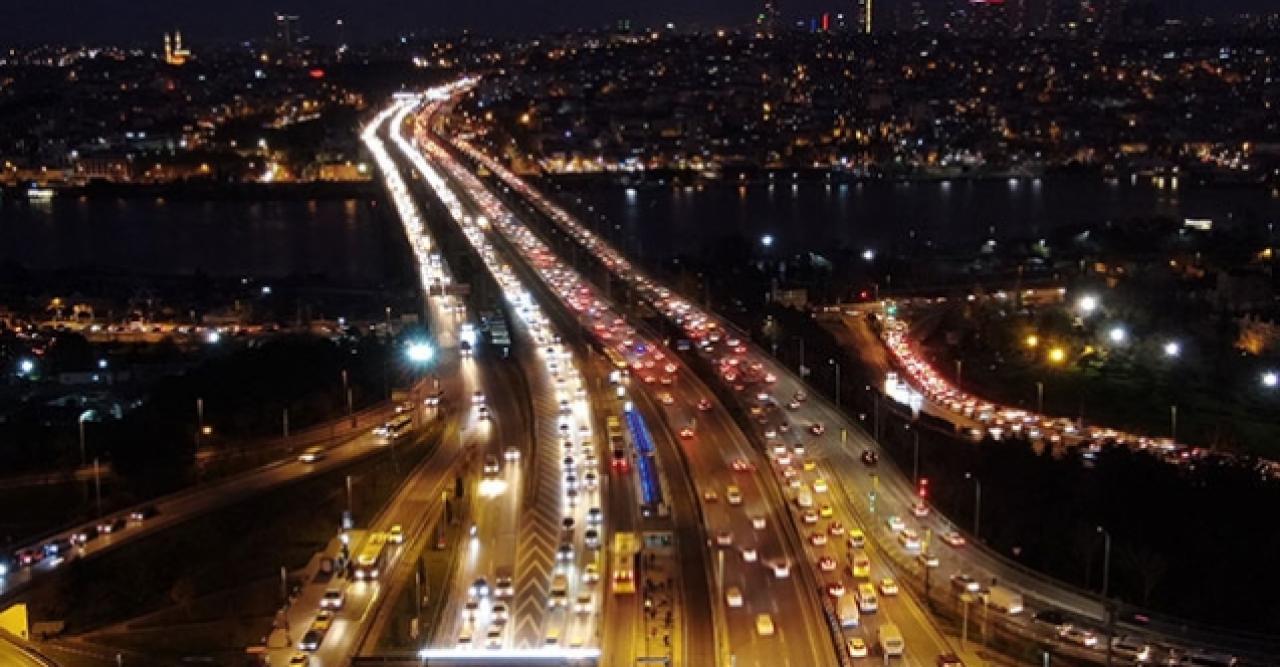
column 199, row 420
column 832, row 362
column 1173, row 423
column 1039, row 397
column 80, row 424
column 959, row 373
column 915, row 457
column 1106, row 583
column 977, row 503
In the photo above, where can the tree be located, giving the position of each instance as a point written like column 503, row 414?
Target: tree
column 1148, row 567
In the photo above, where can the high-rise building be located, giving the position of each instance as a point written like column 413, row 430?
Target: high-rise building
column 767, row 20
column 174, row 53
column 865, row 10
column 288, row 34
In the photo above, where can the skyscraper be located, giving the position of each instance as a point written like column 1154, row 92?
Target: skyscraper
column 287, row 33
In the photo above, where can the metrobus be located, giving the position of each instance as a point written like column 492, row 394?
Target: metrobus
column 368, row 562
column 394, row 427
column 625, row 552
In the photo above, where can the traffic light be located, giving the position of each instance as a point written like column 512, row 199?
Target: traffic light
column 923, row 491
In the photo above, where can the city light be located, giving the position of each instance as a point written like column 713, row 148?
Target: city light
column 212, row 337
column 1057, row 355
column 420, row 352
column 869, row 255
column 767, row 240
column 1117, row 334
column 1032, row 341
column 26, row 366
column 1270, row 379
column 1172, row 349
column 1087, row 304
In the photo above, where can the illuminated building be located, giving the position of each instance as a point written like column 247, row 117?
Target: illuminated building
column 174, row 53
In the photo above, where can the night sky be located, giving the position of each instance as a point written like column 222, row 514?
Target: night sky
column 102, row 21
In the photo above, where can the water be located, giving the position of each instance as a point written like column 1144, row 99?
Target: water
column 347, row 241
column 660, row 220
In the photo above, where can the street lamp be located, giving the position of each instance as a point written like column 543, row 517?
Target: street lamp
column 1172, row 349
column 26, row 367
column 869, row 255
column 1087, row 304
column 832, row 362
column 1117, row 334
column 977, row 503
column 1270, row 379
column 767, row 240
column 419, row 352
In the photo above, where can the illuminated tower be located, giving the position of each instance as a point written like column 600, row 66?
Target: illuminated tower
column 865, row 16
column 174, row 52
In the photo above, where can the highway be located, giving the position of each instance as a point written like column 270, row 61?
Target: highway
column 902, row 609
column 791, row 606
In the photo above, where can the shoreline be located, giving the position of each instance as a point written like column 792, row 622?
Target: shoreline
column 205, row 191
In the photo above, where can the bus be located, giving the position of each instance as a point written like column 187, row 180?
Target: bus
column 625, row 551
column 394, row 427
column 368, row 562
column 861, row 565
column 616, row 358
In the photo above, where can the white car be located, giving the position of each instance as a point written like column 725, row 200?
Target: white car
column 733, row 597
column 758, row 522
column 511, row 453
column 749, row 555
column 781, row 569
column 888, row 586
column 895, row 523
column 724, row 538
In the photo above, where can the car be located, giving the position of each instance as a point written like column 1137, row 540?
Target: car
column 511, row 453
column 953, row 538
column 793, row 405
column 1050, row 617
column 564, row 553
column 704, row 405
column 928, row 560
column 710, row 496
column 835, row 589
column 590, row 481
column 666, row 398
column 781, row 569
column 733, row 494
column 949, row 660
column 835, row 528
column 567, row 524
column 686, row 433
column 895, row 523
column 817, row 428
column 493, row 637
column 784, row 427
column 311, row 455
column 322, row 621
column 741, row 465
column 499, row 613
column 591, row 573
column 396, row 534
column 799, row 397
column 477, row 398
column 733, row 597
column 583, row 604
column 869, row 457
column 483, row 413
column 749, row 555
column 85, row 536
column 724, row 538
column 826, row 511
column 503, row 586
column 140, row 515
column 1078, row 635
column 827, row 564
column 856, row 647
column 595, row 516
column 820, row 485
column 764, row 625
column 300, row 660
column 818, row 539
column 770, row 433
column 910, row 540
column 110, row 526
column 471, row 609
column 920, row 510
column 333, row 598
column 809, row 516
column 491, row 465
column 310, row 641
column 888, row 586
column 479, row 588
column 857, row 539
column 809, row 465
column 592, row 538
column 963, row 582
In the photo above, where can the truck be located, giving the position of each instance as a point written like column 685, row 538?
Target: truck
column 847, row 611
column 890, row 639
column 1004, row 600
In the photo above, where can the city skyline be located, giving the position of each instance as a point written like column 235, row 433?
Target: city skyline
column 239, row 20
